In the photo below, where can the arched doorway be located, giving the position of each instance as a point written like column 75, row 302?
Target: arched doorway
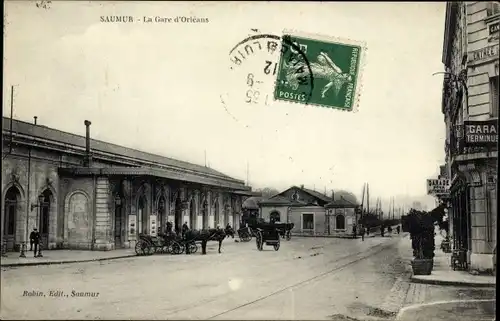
column 12, row 202
column 162, row 215
column 340, row 222
column 227, row 208
column 216, row 214
column 204, row 213
column 275, row 216
column 119, row 224
column 178, row 214
column 142, row 217
column 44, row 218
column 192, row 214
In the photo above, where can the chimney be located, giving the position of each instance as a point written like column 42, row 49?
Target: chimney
column 35, row 118
column 88, row 157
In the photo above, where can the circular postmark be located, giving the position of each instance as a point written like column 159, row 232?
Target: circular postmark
column 258, row 60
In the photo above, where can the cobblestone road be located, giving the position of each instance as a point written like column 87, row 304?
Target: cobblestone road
column 308, row 278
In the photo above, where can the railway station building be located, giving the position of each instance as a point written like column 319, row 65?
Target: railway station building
column 83, row 193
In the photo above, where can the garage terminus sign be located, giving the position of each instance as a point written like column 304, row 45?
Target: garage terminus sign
column 438, row 187
column 481, row 133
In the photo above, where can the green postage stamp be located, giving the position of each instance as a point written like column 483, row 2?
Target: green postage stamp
column 320, row 70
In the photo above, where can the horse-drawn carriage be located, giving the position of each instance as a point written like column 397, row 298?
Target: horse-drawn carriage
column 164, row 244
column 252, row 223
column 245, row 234
column 269, row 235
column 172, row 243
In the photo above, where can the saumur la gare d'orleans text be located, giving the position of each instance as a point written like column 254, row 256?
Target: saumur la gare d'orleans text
column 152, row 19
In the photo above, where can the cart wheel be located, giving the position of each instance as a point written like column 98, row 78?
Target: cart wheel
column 177, row 248
column 248, row 238
column 193, row 248
column 259, row 240
column 149, row 250
column 140, row 247
column 277, row 245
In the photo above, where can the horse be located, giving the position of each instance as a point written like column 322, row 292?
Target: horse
column 285, row 229
column 213, row 234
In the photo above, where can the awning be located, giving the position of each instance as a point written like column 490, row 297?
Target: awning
column 154, row 172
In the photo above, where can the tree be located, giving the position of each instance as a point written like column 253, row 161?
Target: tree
column 267, row 192
column 350, row 197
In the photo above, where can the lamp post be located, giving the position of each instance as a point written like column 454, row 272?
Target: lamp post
column 458, row 80
column 41, row 198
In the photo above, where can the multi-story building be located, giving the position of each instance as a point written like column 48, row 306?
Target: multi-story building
column 89, row 194
column 470, row 102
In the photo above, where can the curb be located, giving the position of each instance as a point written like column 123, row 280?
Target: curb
column 401, row 312
column 453, row 283
column 67, row 261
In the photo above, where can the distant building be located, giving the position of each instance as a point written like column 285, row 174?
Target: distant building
column 311, row 212
column 341, row 217
column 470, row 93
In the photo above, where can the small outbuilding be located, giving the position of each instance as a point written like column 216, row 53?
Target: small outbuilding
column 340, row 217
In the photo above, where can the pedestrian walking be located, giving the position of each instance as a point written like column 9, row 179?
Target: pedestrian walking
column 35, row 236
column 398, row 229
column 32, row 238
column 382, row 231
column 362, row 232
column 354, row 231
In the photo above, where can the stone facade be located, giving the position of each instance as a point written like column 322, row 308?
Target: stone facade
column 88, row 208
column 470, row 55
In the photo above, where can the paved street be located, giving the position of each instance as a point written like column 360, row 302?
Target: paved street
column 308, row 278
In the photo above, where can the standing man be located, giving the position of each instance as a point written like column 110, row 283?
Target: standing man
column 169, row 228
column 362, row 232
column 35, row 236
column 354, row 231
column 185, row 228
column 32, row 238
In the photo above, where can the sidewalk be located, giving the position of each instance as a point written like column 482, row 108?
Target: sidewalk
column 443, row 274
column 63, row 256
column 477, row 310
column 77, row 256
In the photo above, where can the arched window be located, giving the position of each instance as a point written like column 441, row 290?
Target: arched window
column 45, row 213
column 275, row 216
column 340, row 222
column 142, row 215
column 192, row 214
column 11, row 203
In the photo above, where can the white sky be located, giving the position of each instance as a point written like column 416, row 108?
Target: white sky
column 157, row 87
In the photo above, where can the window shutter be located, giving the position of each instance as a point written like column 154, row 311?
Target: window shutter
column 494, row 97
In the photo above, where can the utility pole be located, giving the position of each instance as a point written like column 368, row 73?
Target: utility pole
column 363, row 197
column 11, row 116
column 393, row 207
column 205, row 158
column 248, row 183
column 368, row 197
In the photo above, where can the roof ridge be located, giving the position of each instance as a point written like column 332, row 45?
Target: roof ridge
column 210, row 170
